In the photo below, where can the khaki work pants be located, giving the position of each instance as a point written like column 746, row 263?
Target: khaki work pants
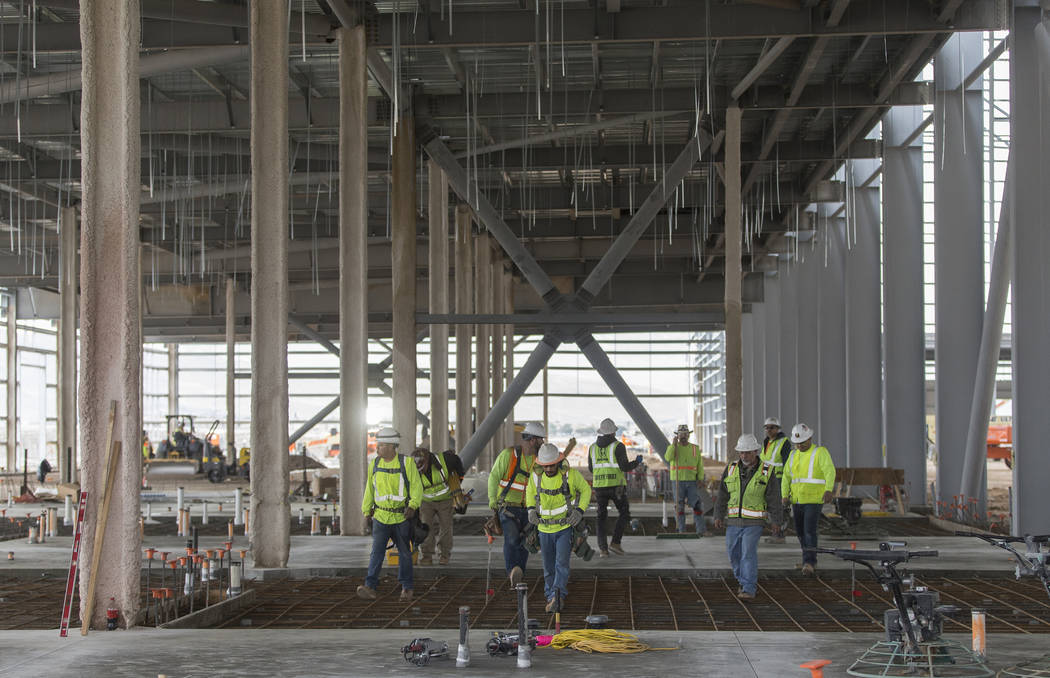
column 438, row 515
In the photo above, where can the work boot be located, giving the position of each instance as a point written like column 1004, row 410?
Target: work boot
column 366, row 593
column 616, row 548
column 775, row 540
column 406, row 595
column 744, row 595
column 443, row 560
column 604, row 553
column 551, row 604
column 426, row 560
column 807, row 569
column 516, row 575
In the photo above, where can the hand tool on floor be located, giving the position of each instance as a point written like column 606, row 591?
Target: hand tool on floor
column 421, row 650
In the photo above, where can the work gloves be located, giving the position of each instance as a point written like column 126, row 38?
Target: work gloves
column 574, row 517
column 534, row 516
column 410, row 513
column 638, row 459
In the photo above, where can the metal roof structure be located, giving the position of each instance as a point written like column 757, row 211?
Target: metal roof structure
column 567, row 113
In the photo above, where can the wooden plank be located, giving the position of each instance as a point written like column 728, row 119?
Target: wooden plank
column 869, row 476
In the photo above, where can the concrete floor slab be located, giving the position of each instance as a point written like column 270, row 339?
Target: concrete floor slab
column 187, row 653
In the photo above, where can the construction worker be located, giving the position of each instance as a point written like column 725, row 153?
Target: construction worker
column 435, row 472
column 508, row 480
column 607, row 460
column 775, row 451
column 809, row 476
column 147, row 447
column 393, row 494
column 557, row 498
column 687, row 476
column 748, row 494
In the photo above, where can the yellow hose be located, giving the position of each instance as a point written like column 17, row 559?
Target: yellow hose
column 601, row 640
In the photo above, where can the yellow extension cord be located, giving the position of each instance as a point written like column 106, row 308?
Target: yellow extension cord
column 601, row 640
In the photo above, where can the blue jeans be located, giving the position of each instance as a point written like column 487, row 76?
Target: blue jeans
column 686, row 493
column 557, row 548
column 381, row 535
column 807, row 516
column 742, row 545
column 513, row 519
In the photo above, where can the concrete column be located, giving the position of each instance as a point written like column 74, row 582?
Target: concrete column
column 958, row 250
column 403, row 256
column 438, row 287
column 788, row 274
column 111, row 360
column 67, row 345
column 173, row 378
column 270, row 523
column 863, row 328
column 482, row 367
column 353, row 278
column 747, row 349
column 464, row 304
column 733, row 279
column 12, row 381
column 1030, row 108
column 498, row 332
column 830, row 335
column 771, row 344
column 508, row 350
column 758, row 379
column 231, row 369
column 807, row 273
column 904, row 336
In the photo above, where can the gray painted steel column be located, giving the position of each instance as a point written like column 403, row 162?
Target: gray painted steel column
column 269, row 406
column 111, row 361
column 958, row 251
column 12, row 381
column 231, row 367
column 733, row 279
column 173, row 378
column 464, row 304
column 1031, row 290
column 529, row 371
column 499, row 440
column 403, row 260
column 863, row 335
column 771, row 345
column 832, row 371
column 806, row 274
column 482, row 368
column 758, row 359
column 904, row 340
column 598, row 359
column 353, row 278
column 788, row 273
column 67, row 346
column 747, row 350
column 508, row 351
column 438, row 302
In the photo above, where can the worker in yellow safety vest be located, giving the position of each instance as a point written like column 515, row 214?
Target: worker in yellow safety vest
column 687, row 477
column 748, row 495
column 607, row 461
column 393, row 493
column 809, row 476
column 775, row 451
column 508, row 480
column 436, row 471
column 557, row 497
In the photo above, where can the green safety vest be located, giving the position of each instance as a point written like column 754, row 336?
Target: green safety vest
column 685, row 462
column 811, row 473
column 607, row 472
column 553, row 496
column 390, row 489
column 771, row 454
column 436, row 490
column 751, row 503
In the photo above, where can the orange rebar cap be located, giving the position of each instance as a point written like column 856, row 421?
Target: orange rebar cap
column 816, row 667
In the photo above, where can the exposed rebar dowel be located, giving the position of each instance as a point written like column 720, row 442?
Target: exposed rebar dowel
column 524, row 648
column 463, row 654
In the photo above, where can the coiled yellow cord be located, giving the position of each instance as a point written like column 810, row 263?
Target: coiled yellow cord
column 601, row 640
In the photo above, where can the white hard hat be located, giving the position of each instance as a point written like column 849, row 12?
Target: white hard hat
column 772, row 421
column 388, row 435
column 549, row 454
column 607, row 427
column 801, row 433
column 683, row 428
column 534, row 429
column 747, row 443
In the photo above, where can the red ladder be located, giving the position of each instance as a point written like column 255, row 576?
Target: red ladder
column 74, row 562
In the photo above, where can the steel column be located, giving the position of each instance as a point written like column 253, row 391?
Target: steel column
column 231, row 367
column 958, row 251
column 67, row 346
column 772, row 330
column 832, row 367
column 904, row 338
column 12, row 381
column 788, row 274
column 496, row 333
column 437, row 198
column 403, row 262
column 733, row 280
column 747, row 392
column 806, row 275
column 464, row 278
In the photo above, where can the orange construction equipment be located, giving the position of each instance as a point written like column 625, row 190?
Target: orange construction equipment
column 816, row 667
column 1001, row 443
